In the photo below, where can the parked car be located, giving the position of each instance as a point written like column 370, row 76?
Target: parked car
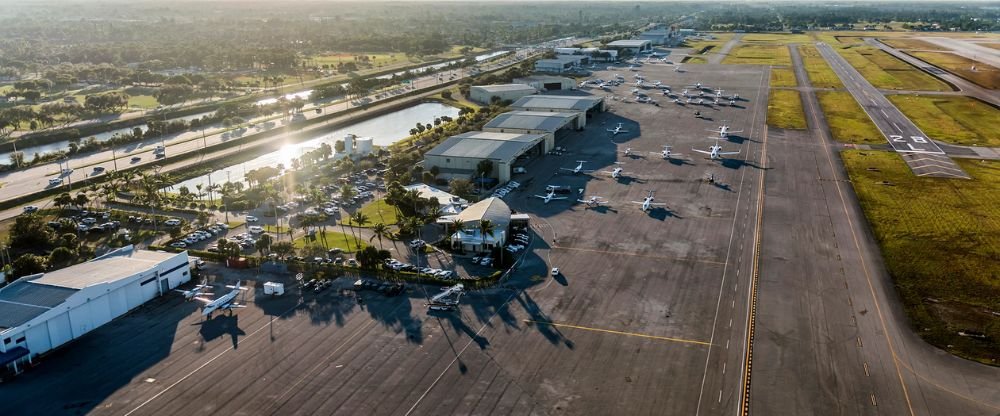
column 178, row 244
column 173, row 222
column 256, row 229
column 251, row 218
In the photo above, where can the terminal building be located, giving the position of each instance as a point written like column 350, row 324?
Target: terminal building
column 470, row 239
column 484, row 94
column 459, row 155
column 41, row 312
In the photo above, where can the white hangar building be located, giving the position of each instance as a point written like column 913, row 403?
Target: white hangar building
column 484, row 94
column 41, row 312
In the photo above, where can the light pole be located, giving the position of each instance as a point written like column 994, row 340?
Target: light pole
column 114, row 158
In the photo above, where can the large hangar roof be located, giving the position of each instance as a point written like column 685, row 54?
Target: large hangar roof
column 486, row 145
column 561, row 102
column 530, row 120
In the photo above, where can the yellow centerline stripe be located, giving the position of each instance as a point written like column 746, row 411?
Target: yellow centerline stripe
column 611, row 331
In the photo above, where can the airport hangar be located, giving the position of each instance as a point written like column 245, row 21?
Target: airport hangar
column 547, row 82
column 484, row 94
column 41, row 312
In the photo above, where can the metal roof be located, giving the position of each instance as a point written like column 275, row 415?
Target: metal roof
column 493, row 209
column 560, row 102
column 23, row 300
column 505, row 87
column 530, row 120
column 629, row 43
column 104, row 269
column 486, row 145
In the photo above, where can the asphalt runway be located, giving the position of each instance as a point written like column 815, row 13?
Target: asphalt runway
column 648, row 317
column 923, row 156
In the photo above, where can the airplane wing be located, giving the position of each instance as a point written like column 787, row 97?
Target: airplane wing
column 658, row 204
column 558, row 197
column 234, row 305
column 637, row 202
column 729, row 153
column 203, row 300
column 538, row 196
column 566, row 169
column 702, row 151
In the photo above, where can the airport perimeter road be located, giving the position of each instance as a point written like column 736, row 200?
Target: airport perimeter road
column 970, row 50
column 831, row 334
column 923, row 156
column 966, row 87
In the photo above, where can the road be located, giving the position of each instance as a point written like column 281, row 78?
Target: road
column 966, row 87
column 923, row 156
column 723, row 52
column 833, row 336
column 36, row 178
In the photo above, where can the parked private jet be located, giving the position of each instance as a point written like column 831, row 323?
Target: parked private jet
column 594, row 201
column 715, row 152
column 667, row 153
column 647, row 202
column 578, row 168
column 618, row 129
column 551, row 196
column 724, row 131
column 617, row 172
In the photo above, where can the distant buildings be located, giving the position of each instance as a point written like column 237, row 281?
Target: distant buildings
column 561, row 63
column 485, row 94
column 547, row 82
column 634, row 46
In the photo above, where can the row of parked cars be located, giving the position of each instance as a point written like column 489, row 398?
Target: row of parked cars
column 386, row 288
column 506, row 189
column 201, row 235
column 520, row 241
column 407, row 267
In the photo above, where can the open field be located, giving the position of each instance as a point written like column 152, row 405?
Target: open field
column 784, row 110
column 820, row 73
column 375, row 59
column 903, row 43
column 886, row 72
column 952, row 119
column 758, row 54
column 984, row 75
column 334, row 239
column 848, row 122
column 695, row 60
column 940, row 239
column 457, row 99
column 782, row 77
column 711, row 45
column 776, row 38
column 377, row 211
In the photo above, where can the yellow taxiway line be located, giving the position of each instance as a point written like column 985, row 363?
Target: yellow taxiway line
column 610, row 331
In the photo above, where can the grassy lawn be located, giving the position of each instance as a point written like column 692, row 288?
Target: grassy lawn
column 143, row 101
column 784, row 110
column 760, row 54
column 952, row 119
column 777, row 38
column 708, row 46
column 457, row 99
column 694, row 60
column 334, row 239
column 984, row 75
column 819, row 71
column 903, row 43
column 887, row 72
column 940, row 239
column 782, row 77
column 848, row 122
column 377, row 211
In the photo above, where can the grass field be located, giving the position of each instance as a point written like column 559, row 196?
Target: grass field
column 848, row 122
column 953, row 119
column 334, row 239
column 887, row 72
column 694, row 60
column 991, row 45
column 713, row 46
column 903, row 43
column 984, row 75
column 377, row 211
column 941, row 240
column 759, row 54
column 784, row 110
column 457, row 99
column 376, row 59
column 776, row 38
column 782, row 77
column 819, row 71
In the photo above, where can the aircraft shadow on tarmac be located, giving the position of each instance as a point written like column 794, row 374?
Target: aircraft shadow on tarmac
column 220, row 325
column 732, row 138
column 662, row 213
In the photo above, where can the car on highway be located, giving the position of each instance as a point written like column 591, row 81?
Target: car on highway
column 55, row 181
column 256, row 229
column 136, row 159
column 30, row 209
column 98, row 170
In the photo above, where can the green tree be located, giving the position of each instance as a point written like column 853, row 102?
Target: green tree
column 380, row 231
column 461, row 187
column 486, row 227
column 263, row 244
column 30, row 233
column 62, row 257
column 283, row 248
column 63, row 200
column 28, row 264
column 360, row 220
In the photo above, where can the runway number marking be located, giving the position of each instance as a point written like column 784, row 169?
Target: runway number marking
column 918, row 139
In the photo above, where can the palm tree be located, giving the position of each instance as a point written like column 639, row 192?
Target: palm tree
column 62, row 200
column 263, row 244
column 359, row 219
column 380, row 230
column 486, row 227
column 80, row 200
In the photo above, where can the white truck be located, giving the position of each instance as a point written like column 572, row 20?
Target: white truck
column 274, row 288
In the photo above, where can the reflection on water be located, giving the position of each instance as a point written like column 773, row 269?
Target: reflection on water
column 385, row 130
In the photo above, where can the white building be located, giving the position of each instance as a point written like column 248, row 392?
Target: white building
column 41, row 312
column 561, row 103
column 470, row 238
column 536, row 122
column 484, row 94
column 561, row 63
column 459, row 155
column 655, row 36
column 635, row 46
column 547, row 82
column 450, row 204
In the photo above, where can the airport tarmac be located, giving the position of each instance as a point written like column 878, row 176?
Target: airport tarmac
column 649, row 315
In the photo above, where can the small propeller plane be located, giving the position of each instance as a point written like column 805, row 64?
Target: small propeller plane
column 618, row 129
column 196, row 291
column 578, row 168
column 715, row 152
column 551, row 196
column 647, row 202
column 594, row 201
column 226, row 302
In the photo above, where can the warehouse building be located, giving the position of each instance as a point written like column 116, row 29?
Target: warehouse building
column 655, row 36
column 484, row 94
column 459, row 155
column 635, row 46
column 561, row 63
column 41, row 312
column 547, row 82
column 561, row 104
column 536, row 122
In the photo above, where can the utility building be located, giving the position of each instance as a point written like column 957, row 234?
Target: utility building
column 460, row 155
column 484, row 94
column 44, row 311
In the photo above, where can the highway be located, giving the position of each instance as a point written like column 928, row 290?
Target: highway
column 833, row 337
column 904, row 136
column 34, row 179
